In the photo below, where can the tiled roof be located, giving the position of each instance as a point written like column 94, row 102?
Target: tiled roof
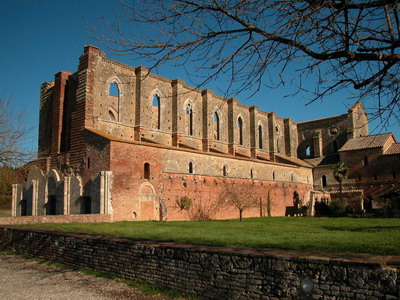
column 291, row 160
column 328, row 160
column 393, row 149
column 366, row 142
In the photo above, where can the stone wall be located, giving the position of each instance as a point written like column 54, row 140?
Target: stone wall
column 216, row 272
column 56, row 219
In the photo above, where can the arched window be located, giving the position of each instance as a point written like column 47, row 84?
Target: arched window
column 292, row 177
column 111, row 115
column 146, row 171
column 216, row 127
column 324, row 182
column 189, row 117
column 113, row 102
column 190, row 167
column 251, row 173
column 240, row 129
column 260, row 137
column 224, row 171
column 278, row 139
column 335, row 146
column 113, row 90
column 273, row 175
column 308, row 151
column 156, row 112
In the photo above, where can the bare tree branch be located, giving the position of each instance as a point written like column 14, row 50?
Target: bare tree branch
column 13, row 135
column 345, row 43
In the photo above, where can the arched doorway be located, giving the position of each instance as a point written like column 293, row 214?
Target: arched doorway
column 51, row 201
column 149, row 206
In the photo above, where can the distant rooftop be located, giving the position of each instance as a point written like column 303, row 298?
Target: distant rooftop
column 393, row 149
column 366, row 142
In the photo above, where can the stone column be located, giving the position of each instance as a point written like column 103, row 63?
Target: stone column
column 14, row 199
column 317, row 143
column 177, row 125
column 35, row 197
column 208, row 119
column 253, row 131
column 67, row 195
column 231, row 125
column 105, row 192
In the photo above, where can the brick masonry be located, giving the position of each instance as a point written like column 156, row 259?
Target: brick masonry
column 216, row 272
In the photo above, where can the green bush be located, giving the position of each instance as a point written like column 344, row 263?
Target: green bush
column 184, row 203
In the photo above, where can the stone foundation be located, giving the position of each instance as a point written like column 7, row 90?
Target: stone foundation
column 56, row 219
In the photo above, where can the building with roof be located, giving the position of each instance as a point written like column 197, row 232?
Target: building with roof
column 122, row 142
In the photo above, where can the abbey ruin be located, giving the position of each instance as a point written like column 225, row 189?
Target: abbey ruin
column 116, row 140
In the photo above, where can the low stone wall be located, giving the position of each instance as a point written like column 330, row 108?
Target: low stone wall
column 92, row 218
column 216, row 272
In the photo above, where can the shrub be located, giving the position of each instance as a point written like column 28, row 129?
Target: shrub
column 184, row 203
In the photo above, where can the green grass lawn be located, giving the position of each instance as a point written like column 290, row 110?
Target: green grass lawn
column 374, row 236
column 5, row 213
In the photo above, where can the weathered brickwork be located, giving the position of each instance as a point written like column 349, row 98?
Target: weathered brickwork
column 119, row 140
column 214, row 272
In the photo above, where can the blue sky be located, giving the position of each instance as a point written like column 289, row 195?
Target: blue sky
column 42, row 37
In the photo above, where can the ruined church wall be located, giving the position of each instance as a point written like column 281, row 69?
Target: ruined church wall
column 107, row 72
column 172, row 177
column 134, row 117
column 328, row 130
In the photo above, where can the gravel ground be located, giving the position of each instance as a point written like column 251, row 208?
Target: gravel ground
column 27, row 279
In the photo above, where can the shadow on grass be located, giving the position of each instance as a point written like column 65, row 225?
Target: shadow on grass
column 363, row 229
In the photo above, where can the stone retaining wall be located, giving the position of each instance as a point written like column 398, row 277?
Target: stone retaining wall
column 216, row 272
column 90, row 218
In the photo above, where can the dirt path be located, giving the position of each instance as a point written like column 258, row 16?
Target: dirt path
column 27, row 279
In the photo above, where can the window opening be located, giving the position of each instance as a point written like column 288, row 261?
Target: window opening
column 111, row 115
column 335, row 146
column 189, row 115
column 23, row 207
column 113, row 102
column 156, row 112
column 273, row 175
column 251, row 173
column 216, row 126
column 191, row 168
column 86, row 205
column 224, row 171
column 308, row 151
column 365, row 161
column 147, row 171
column 260, row 137
column 240, row 127
column 113, row 90
column 324, row 182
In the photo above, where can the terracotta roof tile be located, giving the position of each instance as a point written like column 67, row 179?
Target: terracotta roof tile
column 393, row 149
column 366, row 142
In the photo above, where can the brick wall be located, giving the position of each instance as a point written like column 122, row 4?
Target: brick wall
column 216, row 272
